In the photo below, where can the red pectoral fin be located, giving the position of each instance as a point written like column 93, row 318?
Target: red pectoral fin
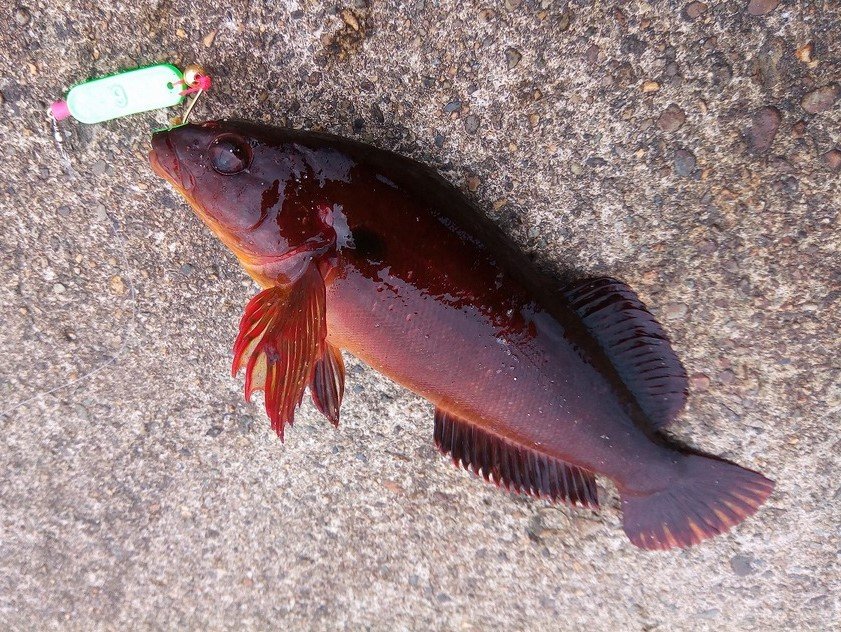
column 328, row 383
column 281, row 337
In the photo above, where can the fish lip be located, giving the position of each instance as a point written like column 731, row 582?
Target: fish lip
column 163, row 158
column 157, row 167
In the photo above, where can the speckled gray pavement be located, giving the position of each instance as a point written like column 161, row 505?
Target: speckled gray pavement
column 691, row 149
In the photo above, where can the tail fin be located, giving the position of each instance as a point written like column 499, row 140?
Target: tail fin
column 709, row 497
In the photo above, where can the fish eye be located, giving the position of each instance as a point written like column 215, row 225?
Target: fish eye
column 229, row 154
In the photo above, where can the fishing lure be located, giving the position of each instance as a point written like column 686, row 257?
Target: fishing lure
column 131, row 92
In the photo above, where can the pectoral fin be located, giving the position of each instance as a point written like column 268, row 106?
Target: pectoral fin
column 282, row 335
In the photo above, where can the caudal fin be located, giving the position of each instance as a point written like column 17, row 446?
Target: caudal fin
column 709, row 497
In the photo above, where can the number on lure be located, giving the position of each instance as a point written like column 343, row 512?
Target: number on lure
column 122, row 94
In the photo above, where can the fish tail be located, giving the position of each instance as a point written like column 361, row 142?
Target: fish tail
column 707, row 497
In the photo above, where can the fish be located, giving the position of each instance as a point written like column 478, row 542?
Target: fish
column 538, row 384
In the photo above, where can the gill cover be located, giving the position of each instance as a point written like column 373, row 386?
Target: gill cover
column 256, row 191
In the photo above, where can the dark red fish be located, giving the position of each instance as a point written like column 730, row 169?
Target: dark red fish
column 537, row 386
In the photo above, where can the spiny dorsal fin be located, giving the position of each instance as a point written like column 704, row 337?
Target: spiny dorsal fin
column 635, row 343
column 281, row 336
column 514, row 467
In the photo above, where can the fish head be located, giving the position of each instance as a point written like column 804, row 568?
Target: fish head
column 250, row 187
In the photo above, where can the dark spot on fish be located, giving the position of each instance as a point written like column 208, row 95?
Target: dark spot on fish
column 368, row 244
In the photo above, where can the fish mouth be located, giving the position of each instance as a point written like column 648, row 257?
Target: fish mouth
column 157, row 167
column 165, row 163
column 162, row 157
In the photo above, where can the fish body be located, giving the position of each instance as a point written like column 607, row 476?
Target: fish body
column 427, row 293
column 537, row 385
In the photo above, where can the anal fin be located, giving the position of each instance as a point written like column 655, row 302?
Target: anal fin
column 515, row 467
column 635, row 343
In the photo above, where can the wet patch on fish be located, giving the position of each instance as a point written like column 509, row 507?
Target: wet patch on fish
column 271, row 197
column 386, row 181
column 338, row 220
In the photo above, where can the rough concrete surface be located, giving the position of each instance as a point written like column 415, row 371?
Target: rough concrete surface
column 692, row 149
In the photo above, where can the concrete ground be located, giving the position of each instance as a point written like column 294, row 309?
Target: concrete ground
column 689, row 148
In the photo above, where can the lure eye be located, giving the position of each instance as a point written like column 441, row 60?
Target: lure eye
column 229, row 154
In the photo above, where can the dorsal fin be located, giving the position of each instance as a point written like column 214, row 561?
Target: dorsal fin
column 512, row 466
column 635, row 343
